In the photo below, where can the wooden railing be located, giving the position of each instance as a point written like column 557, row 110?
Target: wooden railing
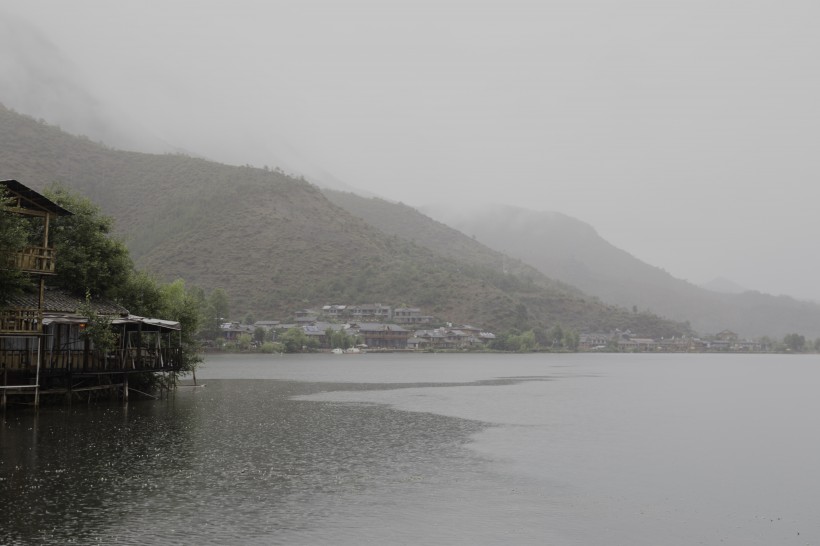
column 35, row 259
column 20, row 321
column 79, row 361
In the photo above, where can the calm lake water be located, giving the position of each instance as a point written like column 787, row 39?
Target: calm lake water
column 431, row 449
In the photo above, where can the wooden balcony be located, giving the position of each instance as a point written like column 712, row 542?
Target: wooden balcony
column 35, row 259
column 20, row 321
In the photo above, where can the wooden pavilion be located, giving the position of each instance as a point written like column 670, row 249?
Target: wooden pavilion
column 42, row 346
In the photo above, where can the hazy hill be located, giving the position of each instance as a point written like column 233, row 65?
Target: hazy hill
column 410, row 224
column 724, row 286
column 275, row 243
column 569, row 250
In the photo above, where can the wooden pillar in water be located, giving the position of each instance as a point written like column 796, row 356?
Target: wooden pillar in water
column 125, row 387
column 86, row 352
column 37, row 375
column 139, row 346
column 5, row 375
column 41, row 301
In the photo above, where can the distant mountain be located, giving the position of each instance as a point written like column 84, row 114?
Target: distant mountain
column 275, row 243
column 724, row 286
column 571, row 251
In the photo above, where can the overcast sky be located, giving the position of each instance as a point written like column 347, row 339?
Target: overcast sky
column 685, row 131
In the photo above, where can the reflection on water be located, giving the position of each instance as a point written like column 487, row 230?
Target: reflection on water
column 236, row 459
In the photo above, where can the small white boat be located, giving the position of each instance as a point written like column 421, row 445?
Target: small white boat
column 337, row 351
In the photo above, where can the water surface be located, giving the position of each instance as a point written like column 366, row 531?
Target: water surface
column 434, row 449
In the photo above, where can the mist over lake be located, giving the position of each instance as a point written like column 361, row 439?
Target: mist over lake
column 433, row 449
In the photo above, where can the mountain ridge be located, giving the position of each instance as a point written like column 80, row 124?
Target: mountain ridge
column 275, row 243
column 571, row 251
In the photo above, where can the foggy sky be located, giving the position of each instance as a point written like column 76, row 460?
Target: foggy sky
column 684, row 131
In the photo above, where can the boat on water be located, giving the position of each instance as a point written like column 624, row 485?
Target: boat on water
column 350, row 351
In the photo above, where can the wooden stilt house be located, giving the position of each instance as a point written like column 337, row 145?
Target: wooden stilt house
column 43, row 349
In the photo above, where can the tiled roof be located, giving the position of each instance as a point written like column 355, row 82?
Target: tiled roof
column 378, row 327
column 430, row 334
column 58, row 301
column 266, row 323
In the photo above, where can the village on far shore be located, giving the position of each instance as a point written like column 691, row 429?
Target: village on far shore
column 379, row 327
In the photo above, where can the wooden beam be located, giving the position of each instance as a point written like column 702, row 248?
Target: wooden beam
column 27, row 212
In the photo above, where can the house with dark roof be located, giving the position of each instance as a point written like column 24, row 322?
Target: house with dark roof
column 319, row 332
column 431, row 339
column 410, row 315
column 370, row 311
column 727, row 335
column 230, row 331
column 452, row 338
column 267, row 325
column 334, row 311
column 382, row 336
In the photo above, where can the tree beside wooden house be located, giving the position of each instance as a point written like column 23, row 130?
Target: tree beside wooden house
column 45, row 341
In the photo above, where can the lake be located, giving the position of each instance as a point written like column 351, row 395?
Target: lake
column 575, row 449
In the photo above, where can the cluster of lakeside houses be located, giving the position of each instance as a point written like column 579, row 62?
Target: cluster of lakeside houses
column 374, row 325
column 627, row 342
column 373, row 335
column 379, row 326
column 366, row 312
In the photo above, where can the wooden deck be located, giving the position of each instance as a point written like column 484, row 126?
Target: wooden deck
column 23, row 362
column 75, row 371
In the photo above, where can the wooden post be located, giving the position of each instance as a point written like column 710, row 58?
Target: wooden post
column 86, row 351
column 125, row 387
column 37, row 375
column 139, row 346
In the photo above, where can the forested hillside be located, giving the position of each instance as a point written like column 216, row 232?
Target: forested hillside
column 275, row 243
column 409, row 224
